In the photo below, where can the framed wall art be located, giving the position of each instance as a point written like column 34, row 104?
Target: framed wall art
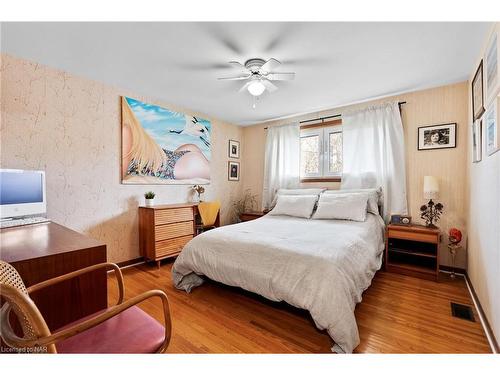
column 437, row 136
column 492, row 69
column 492, row 141
column 477, row 140
column 234, row 149
column 477, row 93
column 160, row 146
column 233, row 171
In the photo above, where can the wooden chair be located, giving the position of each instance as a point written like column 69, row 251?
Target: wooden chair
column 123, row 328
column 208, row 213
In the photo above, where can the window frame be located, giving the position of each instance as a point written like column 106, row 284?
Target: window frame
column 323, row 131
column 314, row 132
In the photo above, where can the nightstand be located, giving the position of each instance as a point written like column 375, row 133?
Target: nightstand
column 252, row 215
column 412, row 250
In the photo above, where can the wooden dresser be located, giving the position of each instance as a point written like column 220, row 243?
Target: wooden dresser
column 165, row 229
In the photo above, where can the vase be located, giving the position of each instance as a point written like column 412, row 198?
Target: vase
column 150, row 202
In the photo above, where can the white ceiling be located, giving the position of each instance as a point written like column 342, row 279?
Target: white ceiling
column 335, row 63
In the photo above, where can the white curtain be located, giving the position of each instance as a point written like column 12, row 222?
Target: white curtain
column 281, row 163
column 374, row 154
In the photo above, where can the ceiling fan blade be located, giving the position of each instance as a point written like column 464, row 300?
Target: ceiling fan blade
column 238, row 65
column 235, row 78
column 270, row 65
column 244, row 87
column 269, row 86
column 280, row 76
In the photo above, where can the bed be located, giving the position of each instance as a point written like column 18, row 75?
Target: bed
column 322, row 266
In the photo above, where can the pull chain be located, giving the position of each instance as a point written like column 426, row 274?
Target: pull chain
column 254, row 105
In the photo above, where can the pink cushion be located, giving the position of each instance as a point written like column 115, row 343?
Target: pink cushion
column 131, row 331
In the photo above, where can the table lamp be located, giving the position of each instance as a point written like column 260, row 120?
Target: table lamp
column 431, row 211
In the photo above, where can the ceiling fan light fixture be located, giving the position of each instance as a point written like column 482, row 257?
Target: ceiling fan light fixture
column 259, row 76
column 256, row 88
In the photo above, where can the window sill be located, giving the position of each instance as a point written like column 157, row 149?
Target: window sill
column 321, row 179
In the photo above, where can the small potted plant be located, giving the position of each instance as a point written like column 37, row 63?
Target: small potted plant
column 199, row 190
column 150, row 198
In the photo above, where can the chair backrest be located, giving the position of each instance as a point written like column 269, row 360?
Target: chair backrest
column 9, row 276
column 208, row 212
column 14, row 293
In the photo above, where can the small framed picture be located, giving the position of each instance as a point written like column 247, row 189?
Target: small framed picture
column 477, row 151
column 491, row 128
column 437, row 136
column 233, row 171
column 491, row 68
column 234, row 149
column 477, row 93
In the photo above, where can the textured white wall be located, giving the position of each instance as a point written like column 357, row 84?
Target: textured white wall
column 484, row 222
column 70, row 127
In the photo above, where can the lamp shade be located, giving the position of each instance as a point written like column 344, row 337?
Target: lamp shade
column 256, row 88
column 431, row 187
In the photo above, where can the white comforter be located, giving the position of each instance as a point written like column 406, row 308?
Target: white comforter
column 322, row 266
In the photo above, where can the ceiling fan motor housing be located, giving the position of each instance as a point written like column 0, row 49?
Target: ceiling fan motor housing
column 254, row 64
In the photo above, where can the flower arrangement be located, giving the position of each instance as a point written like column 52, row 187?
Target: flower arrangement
column 199, row 190
column 454, row 236
column 431, row 212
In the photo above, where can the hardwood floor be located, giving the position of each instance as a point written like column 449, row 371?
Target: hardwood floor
column 398, row 314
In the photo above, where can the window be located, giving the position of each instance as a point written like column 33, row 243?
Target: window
column 321, row 152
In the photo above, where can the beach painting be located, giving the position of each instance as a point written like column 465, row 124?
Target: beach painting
column 160, row 146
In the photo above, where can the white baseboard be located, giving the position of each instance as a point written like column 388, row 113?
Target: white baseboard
column 482, row 318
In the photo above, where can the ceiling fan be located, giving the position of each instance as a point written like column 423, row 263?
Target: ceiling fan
column 259, row 74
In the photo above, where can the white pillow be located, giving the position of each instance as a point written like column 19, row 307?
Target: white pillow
column 294, row 205
column 311, row 191
column 348, row 207
column 372, row 196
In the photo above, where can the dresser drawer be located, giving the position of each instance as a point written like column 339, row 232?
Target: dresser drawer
column 172, row 246
column 173, row 215
column 412, row 236
column 167, row 231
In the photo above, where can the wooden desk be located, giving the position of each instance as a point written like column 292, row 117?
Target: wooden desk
column 42, row 251
column 165, row 229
